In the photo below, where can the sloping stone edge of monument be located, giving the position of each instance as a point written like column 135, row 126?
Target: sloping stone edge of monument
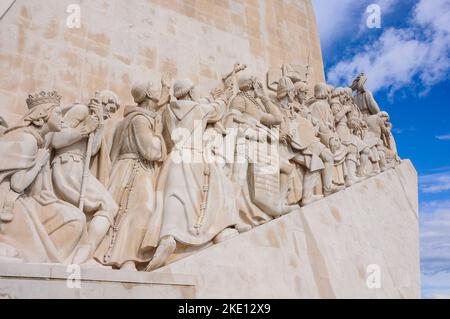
column 362, row 242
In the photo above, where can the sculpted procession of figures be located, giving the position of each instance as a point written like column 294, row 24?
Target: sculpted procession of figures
column 182, row 173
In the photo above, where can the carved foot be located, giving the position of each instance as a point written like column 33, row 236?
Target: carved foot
column 129, row 266
column 311, row 200
column 225, row 234
column 165, row 249
column 352, row 181
column 82, row 255
column 286, row 209
column 242, row 228
column 334, row 189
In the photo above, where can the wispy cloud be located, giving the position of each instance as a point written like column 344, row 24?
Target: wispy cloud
column 435, row 248
column 399, row 130
column 443, row 137
column 401, row 57
column 434, row 183
column 435, row 236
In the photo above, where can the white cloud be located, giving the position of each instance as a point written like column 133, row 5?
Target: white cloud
column 400, row 56
column 435, row 248
column 443, row 137
column 435, row 237
column 435, row 183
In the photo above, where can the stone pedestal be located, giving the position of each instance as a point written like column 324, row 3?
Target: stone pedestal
column 58, row 281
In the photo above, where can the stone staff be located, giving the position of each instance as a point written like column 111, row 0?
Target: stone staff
column 86, row 170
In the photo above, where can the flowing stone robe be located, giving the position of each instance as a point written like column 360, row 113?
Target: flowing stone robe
column 366, row 103
column 244, row 115
column 343, row 131
column 137, row 153
column 378, row 136
column 183, row 181
column 321, row 111
column 43, row 228
column 304, row 151
column 68, row 167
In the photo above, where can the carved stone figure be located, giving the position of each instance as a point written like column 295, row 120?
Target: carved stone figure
column 3, row 125
column 357, row 150
column 81, row 138
column 378, row 137
column 253, row 115
column 299, row 145
column 137, row 153
column 308, row 130
column 34, row 225
column 364, row 98
column 194, row 212
column 321, row 112
column 167, row 183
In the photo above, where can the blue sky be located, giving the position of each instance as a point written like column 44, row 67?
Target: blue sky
column 407, row 62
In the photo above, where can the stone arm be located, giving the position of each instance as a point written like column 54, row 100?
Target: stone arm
column 22, row 179
column 149, row 142
column 339, row 112
column 165, row 96
column 372, row 103
column 273, row 117
column 215, row 110
column 71, row 132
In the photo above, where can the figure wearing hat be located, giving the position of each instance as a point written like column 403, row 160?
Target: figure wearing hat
column 364, row 97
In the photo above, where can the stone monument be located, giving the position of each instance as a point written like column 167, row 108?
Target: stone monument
column 192, row 149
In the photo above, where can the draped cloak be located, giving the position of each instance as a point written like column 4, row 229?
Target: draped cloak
column 42, row 228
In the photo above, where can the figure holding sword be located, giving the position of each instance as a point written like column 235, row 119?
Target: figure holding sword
column 75, row 145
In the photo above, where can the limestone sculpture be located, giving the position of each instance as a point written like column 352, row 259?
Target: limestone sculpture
column 193, row 213
column 364, row 97
column 3, row 125
column 253, row 114
column 138, row 150
column 34, row 225
column 162, row 189
column 79, row 139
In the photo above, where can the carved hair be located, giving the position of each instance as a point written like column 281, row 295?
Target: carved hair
column 285, row 86
column 301, row 87
column 321, row 91
column 245, row 82
column 182, row 87
column 141, row 91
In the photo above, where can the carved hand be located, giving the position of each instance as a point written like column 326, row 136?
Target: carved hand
column 259, row 90
column 228, row 93
column 90, row 125
column 97, row 108
column 217, row 93
column 166, row 80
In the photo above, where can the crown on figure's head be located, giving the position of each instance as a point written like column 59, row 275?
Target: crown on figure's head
column 43, row 97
